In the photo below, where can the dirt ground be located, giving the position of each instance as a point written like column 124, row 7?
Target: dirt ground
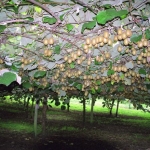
column 102, row 135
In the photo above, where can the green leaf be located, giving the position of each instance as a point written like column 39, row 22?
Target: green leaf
column 107, row 6
column 2, row 28
column 121, row 88
column 27, row 85
column 79, row 86
column 102, row 17
column 109, row 84
column 37, row 9
column 87, row 73
column 110, row 65
column 39, row 74
column 13, row 8
column 57, row 49
column 70, row 81
column 110, row 72
column 98, row 90
column 14, row 68
column 85, row 9
column 96, row 62
column 75, row 84
column 72, row 65
column 148, row 86
column 7, row 78
column 147, row 34
column 93, row 91
column 69, row 27
column 98, row 82
column 135, row 38
column 49, row 20
column 116, row 59
column 112, row 82
column 29, row 19
column 142, row 71
column 122, row 76
column 62, row 17
column 109, row 14
column 89, row 25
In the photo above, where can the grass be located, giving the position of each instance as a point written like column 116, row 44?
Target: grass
column 18, row 126
column 126, row 116
column 69, row 128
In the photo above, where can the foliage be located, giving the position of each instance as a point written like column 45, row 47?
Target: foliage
column 109, row 14
column 76, row 49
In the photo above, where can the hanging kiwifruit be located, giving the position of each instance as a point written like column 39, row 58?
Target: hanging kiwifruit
column 128, row 33
column 119, row 31
column 88, row 41
column 126, row 41
column 51, row 41
column 45, row 41
column 1, row 61
column 140, row 44
column 119, row 49
column 106, row 34
column 107, row 55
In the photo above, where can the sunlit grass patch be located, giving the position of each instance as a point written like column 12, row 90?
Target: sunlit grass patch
column 18, row 126
column 137, row 122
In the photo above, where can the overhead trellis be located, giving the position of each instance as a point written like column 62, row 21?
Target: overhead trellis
column 90, row 47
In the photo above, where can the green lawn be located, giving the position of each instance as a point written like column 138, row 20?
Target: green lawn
column 126, row 115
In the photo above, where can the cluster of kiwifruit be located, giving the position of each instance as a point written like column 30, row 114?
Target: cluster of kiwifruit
column 97, row 41
column 142, row 43
column 74, row 56
column 142, row 57
column 57, row 75
column 123, row 35
column 141, row 87
column 88, row 77
column 41, row 68
column 72, row 73
column 47, row 53
column 106, row 55
column 67, row 73
column 65, row 88
column 132, row 73
column 1, row 61
column 105, row 39
column 61, row 67
column 26, row 61
column 119, row 68
column 49, row 41
column 44, row 82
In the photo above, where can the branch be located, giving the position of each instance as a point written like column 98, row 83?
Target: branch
column 24, row 49
column 23, row 35
column 52, row 29
column 69, row 41
column 83, row 4
column 46, row 9
column 11, row 21
column 138, row 5
column 51, row 2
